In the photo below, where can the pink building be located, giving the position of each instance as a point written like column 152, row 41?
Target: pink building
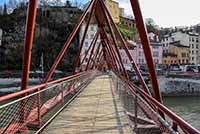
column 138, row 54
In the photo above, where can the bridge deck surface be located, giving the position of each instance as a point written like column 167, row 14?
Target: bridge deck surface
column 96, row 110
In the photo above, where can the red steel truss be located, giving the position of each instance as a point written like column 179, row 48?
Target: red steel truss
column 105, row 55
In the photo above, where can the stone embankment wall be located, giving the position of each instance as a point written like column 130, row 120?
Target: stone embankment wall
column 179, row 87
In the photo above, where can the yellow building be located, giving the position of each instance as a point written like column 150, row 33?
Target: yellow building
column 113, row 8
column 177, row 54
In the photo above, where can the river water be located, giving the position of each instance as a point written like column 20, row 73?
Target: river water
column 186, row 107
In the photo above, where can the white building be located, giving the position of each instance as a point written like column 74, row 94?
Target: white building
column 1, row 32
column 92, row 29
column 187, row 39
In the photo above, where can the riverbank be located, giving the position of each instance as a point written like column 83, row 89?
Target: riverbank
column 10, row 85
column 179, row 87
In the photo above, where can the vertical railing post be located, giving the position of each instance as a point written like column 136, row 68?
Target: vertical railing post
column 38, row 108
column 62, row 93
column 175, row 127
column 30, row 26
column 136, row 110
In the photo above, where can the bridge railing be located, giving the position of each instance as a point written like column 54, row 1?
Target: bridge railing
column 34, row 108
column 142, row 110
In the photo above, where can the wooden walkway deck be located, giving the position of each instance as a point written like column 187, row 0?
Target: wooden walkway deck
column 97, row 110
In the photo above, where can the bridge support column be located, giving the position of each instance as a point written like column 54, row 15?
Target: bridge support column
column 147, row 50
column 30, row 26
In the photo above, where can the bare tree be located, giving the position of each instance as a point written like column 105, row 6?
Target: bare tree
column 77, row 4
column 1, row 10
column 12, row 4
column 57, row 2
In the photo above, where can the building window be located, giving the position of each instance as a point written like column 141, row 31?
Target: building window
column 142, row 60
column 183, row 55
column 86, row 60
column 155, row 47
column 92, row 28
column 197, row 40
column 48, row 13
column 197, row 46
column 192, row 45
column 192, row 51
column 192, row 39
column 86, row 36
column 155, row 54
column 91, row 36
column 192, row 58
column 86, row 44
column 173, row 39
column 140, row 53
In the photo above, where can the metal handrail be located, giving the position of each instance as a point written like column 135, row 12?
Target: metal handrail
column 174, row 117
column 34, row 88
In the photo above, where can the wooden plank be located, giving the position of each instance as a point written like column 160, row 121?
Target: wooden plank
column 96, row 110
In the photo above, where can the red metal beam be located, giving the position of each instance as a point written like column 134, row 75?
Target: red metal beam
column 147, row 50
column 178, row 120
column 91, row 44
column 112, row 36
column 99, row 58
column 127, row 51
column 91, row 53
column 96, row 59
column 75, row 64
column 113, row 51
column 67, row 43
column 30, row 26
column 96, row 55
column 104, row 38
column 186, row 127
column 111, row 60
column 35, row 88
column 105, row 57
column 115, row 45
column 111, row 56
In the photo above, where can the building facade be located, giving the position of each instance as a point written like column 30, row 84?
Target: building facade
column 177, row 54
column 128, row 22
column 188, row 39
column 113, row 8
column 121, row 11
column 194, row 48
column 92, row 29
column 138, row 54
column 157, row 53
column 61, row 13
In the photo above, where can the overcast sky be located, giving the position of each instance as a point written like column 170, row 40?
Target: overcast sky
column 166, row 13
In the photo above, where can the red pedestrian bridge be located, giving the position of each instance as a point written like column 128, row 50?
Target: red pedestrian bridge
column 97, row 98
